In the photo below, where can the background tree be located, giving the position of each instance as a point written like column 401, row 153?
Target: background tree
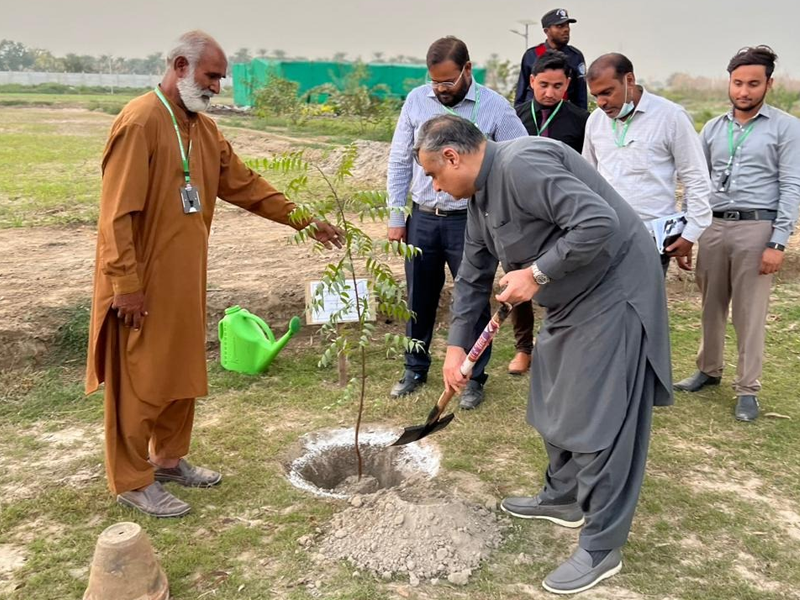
column 14, row 56
column 45, row 61
column 154, row 64
column 74, row 63
column 242, row 55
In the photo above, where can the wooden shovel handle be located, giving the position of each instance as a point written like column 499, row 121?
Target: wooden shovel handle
column 446, row 396
column 438, row 409
column 474, row 354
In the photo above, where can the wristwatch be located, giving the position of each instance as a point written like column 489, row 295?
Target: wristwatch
column 776, row 246
column 538, row 276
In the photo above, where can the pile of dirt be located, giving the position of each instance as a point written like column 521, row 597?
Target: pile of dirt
column 412, row 530
column 370, row 165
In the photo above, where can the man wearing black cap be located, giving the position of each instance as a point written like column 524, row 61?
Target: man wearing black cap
column 556, row 27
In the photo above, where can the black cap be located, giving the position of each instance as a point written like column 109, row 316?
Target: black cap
column 557, row 16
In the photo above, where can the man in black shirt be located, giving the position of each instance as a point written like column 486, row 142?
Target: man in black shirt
column 547, row 114
column 551, row 115
column 556, row 25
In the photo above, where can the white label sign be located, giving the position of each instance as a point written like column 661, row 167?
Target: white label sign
column 333, row 304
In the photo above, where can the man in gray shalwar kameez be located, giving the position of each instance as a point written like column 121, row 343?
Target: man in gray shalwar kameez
column 601, row 362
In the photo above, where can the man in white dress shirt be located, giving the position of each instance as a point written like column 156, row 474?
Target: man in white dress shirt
column 642, row 144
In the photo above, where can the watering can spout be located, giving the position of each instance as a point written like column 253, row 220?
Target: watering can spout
column 294, row 327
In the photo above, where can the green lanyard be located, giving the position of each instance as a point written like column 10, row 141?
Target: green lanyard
column 184, row 157
column 474, row 108
column 620, row 142
column 546, row 123
column 733, row 146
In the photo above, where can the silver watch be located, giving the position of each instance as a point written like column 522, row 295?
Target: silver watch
column 538, row 276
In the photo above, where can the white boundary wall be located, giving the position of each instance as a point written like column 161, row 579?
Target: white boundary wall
column 80, row 79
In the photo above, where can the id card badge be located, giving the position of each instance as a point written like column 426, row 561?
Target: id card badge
column 190, row 198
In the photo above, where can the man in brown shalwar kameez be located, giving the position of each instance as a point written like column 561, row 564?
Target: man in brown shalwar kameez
column 163, row 167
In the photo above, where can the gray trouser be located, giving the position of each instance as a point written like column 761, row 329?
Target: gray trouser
column 606, row 484
column 728, row 262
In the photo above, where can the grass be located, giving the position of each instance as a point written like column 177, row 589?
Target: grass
column 108, row 103
column 338, row 130
column 708, row 526
column 717, row 520
column 51, row 165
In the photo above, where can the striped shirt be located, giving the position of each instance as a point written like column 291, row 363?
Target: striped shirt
column 486, row 108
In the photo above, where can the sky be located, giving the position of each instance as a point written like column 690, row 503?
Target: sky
column 690, row 36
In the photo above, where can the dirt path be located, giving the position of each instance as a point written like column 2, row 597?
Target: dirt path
column 47, row 270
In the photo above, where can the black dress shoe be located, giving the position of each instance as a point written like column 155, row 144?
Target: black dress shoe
column 696, row 382
column 746, row 408
column 409, row 384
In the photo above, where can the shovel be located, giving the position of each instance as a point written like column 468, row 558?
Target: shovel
column 435, row 420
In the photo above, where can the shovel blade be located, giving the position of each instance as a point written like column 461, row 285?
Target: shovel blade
column 417, row 432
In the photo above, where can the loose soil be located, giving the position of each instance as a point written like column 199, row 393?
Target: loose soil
column 399, row 521
column 415, row 530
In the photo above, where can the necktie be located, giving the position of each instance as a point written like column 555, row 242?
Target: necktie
column 545, row 114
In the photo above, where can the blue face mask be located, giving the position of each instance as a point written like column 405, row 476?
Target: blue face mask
column 627, row 107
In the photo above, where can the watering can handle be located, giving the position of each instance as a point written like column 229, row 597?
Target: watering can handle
column 265, row 328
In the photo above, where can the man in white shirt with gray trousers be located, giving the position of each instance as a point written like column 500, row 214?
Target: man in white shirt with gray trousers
column 641, row 144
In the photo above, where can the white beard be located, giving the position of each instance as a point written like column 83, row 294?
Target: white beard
column 195, row 99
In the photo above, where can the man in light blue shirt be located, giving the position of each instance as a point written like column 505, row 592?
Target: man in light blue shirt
column 437, row 221
column 753, row 155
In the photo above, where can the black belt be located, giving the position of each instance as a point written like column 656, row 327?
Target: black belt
column 746, row 215
column 439, row 212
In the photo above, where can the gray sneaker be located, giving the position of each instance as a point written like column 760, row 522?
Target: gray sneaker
column 472, row 396
column 578, row 575
column 566, row 515
column 155, row 501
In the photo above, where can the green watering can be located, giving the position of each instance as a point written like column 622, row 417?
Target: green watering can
column 247, row 344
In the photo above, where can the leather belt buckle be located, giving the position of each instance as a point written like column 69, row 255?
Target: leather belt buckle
column 439, row 213
column 731, row 215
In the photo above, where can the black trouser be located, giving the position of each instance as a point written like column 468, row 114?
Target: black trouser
column 441, row 240
column 665, row 263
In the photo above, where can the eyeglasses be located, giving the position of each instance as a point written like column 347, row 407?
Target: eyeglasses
column 447, row 85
